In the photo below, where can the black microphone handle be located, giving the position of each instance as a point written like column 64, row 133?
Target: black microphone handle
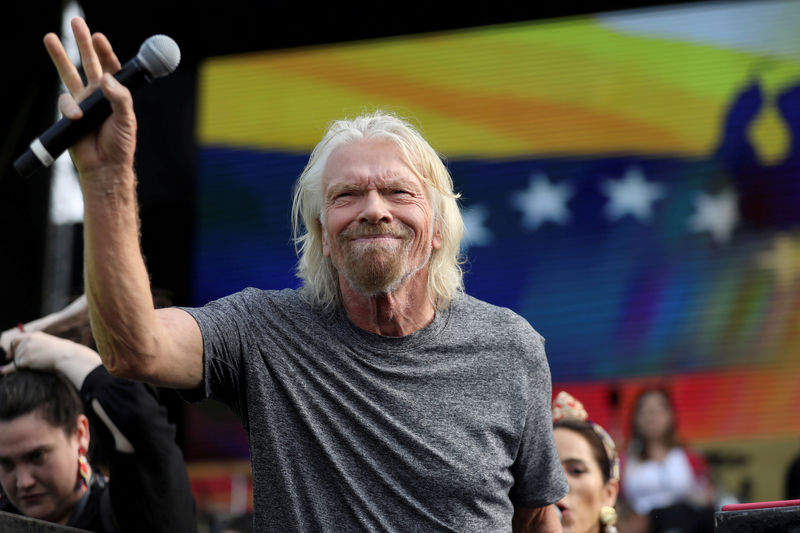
column 66, row 132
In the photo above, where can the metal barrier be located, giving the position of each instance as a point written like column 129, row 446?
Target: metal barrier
column 12, row 523
column 778, row 517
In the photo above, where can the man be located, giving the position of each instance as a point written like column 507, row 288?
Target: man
column 378, row 396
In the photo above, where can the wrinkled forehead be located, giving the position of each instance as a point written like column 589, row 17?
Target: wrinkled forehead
column 370, row 162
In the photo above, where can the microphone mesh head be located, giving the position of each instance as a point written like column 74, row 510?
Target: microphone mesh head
column 160, row 55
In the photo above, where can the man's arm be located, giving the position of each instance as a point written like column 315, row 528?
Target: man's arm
column 134, row 340
column 536, row 520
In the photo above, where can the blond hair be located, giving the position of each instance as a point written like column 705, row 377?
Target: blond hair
column 320, row 279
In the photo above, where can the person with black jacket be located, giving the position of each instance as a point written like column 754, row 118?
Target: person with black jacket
column 51, row 393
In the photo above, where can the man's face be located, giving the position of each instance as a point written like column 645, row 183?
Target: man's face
column 39, row 466
column 377, row 217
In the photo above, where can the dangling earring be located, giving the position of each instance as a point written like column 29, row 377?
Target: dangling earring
column 83, row 470
column 608, row 517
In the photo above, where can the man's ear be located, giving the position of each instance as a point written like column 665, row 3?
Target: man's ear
column 436, row 241
column 326, row 248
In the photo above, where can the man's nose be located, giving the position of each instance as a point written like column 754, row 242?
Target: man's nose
column 374, row 209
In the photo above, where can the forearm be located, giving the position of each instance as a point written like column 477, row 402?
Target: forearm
column 164, row 346
column 42, row 351
column 117, row 285
column 78, row 363
column 73, row 314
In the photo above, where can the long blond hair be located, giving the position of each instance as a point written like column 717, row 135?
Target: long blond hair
column 320, row 279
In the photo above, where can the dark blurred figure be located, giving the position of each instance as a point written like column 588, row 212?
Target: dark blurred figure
column 793, row 480
column 242, row 523
column 665, row 482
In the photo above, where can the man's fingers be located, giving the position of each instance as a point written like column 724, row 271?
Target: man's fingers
column 97, row 57
column 117, row 94
column 121, row 102
column 89, row 59
column 68, row 107
column 105, row 53
column 66, row 70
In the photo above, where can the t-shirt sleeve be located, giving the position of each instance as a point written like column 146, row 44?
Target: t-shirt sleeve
column 539, row 479
column 223, row 324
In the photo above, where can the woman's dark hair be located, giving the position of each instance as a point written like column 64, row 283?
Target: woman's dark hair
column 49, row 393
column 585, row 430
column 637, row 444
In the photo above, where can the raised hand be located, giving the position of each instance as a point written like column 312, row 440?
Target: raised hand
column 7, row 339
column 112, row 146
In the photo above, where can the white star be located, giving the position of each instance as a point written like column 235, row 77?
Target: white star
column 475, row 231
column 543, row 201
column 631, row 195
column 717, row 215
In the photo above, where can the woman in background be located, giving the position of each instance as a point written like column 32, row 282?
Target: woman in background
column 662, row 480
column 590, row 460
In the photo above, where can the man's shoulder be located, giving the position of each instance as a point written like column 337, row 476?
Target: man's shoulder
column 493, row 321
column 470, row 303
column 252, row 304
column 486, row 312
column 284, row 295
column 252, row 296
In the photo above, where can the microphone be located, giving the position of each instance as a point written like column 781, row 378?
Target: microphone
column 158, row 56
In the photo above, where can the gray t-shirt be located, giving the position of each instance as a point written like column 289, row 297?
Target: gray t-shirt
column 445, row 429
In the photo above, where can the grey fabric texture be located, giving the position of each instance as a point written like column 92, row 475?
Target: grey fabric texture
column 445, row 429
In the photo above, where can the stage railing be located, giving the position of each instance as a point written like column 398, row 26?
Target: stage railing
column 11, row 523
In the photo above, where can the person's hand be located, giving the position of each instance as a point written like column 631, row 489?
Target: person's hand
column 41, row 351
column 8, row 337
column 112, row 146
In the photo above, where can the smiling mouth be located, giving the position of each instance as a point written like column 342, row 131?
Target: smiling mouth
column 374, row 237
